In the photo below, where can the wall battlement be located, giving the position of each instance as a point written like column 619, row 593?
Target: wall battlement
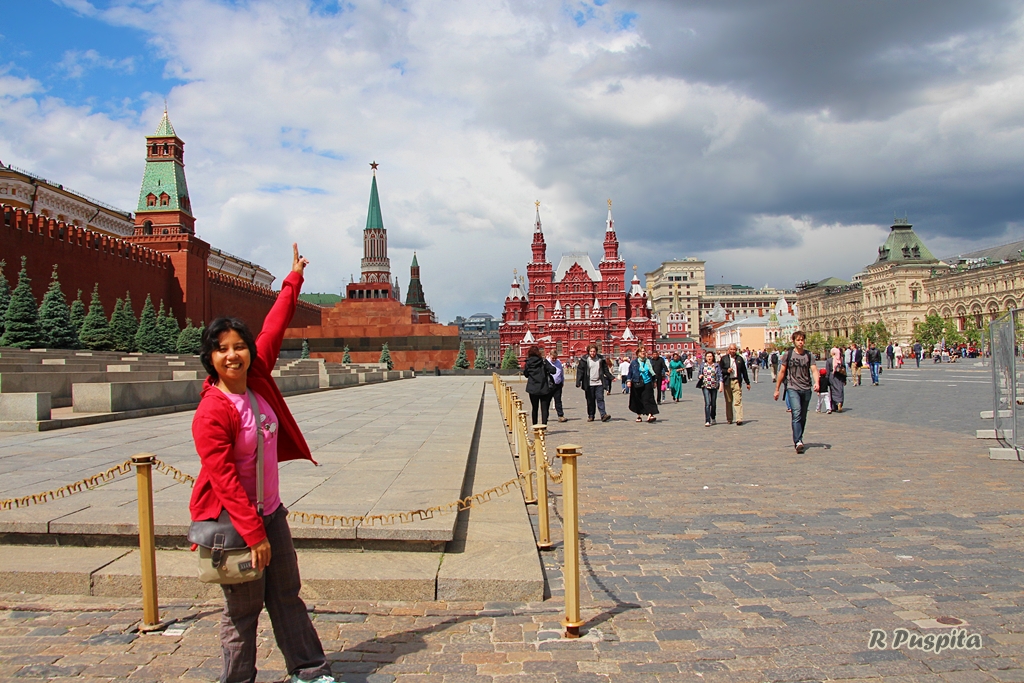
column 16, row 219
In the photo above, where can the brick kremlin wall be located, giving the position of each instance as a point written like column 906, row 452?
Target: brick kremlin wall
column 251, row 302
column 84, row 257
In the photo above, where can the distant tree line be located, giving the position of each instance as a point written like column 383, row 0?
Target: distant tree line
column 56, row 325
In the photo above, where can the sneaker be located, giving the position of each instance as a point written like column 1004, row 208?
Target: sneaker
column 319, row 679
column 563, row 418
column 713, row 422
column 605, row 417
column 799, row 446
column 590, row 418
column 707, row 424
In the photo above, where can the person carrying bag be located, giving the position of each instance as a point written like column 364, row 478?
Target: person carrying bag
column 224, row 556
column 242, row 429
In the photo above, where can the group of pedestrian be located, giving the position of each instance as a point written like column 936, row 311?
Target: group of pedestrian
column 727, row 374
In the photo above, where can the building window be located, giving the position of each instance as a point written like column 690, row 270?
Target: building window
column 147, row 227
column 577, row 311
column 150, row 199
column 613, row 311
column 586, row 311
column 165, row 199
column 540, row 313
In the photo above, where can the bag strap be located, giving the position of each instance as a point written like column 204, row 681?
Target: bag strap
column 259, row 451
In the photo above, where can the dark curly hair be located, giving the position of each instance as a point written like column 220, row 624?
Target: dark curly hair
column 211, row 341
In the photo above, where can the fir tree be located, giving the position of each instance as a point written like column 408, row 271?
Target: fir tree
column 347, row 358
column 385, row 356
column 481, row 360
column 21, row 321
column 509, row 361
column 146, row 339
column 305, row 349
column 55, row 318
column 5, row 295
column 95, row 332
column 117, row 327
column 461, row 362
column 77, row 317
column 167, row 329
column 131, row 323
column 190, row 340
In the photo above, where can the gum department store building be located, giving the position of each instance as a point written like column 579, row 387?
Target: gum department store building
column 906, row 283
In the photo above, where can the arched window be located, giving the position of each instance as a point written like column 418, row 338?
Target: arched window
column 613, row 312
column 540, row 313
column 150, row 199
column 165, row 199
column 167, row 150
column 147, row 227
column 586, row 311
column 576, row 311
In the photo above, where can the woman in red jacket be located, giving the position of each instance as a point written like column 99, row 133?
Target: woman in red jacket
column 224, row 431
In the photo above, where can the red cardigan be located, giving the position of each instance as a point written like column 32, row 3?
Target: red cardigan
column 216, row 425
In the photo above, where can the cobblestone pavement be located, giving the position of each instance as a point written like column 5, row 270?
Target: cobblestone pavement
column 709, row 554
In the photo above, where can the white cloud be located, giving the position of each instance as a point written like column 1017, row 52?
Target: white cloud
column 476, row 109
column 75, row 63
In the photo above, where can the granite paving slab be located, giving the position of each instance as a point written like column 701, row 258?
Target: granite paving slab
column 380, row 449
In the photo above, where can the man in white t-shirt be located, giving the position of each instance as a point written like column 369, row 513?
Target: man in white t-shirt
column 624, row 374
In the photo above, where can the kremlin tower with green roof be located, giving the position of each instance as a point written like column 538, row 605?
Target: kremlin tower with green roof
column 375, row 267
column 164, row 206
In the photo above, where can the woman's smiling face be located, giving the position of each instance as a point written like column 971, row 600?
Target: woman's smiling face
column 231, row 358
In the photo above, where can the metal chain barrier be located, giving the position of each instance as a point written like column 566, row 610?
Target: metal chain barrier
column 181, row 477
column 87, row 484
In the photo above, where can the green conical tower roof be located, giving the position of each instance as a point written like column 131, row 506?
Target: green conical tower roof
column 373, row 217
column 904, row 246
column 165, row 175
column 165, row 129
column 415, row 263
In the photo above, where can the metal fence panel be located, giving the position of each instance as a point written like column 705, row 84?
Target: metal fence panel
column 1004, row 385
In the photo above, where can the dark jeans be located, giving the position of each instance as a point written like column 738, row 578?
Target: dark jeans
column 595, row 397
column 544, row 400
column 557, row 397
column 710, row 403
column 279, row 591
column 800, row 400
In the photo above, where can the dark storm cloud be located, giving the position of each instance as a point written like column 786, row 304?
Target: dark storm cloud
column 859, row 59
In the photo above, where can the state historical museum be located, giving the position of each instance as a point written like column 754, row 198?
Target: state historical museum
column 568, row 307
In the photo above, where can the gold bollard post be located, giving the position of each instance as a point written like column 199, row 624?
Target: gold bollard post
column 510, row 419
column 540, row 458
column 571, row 545
column 524, row 458
column 143, row 463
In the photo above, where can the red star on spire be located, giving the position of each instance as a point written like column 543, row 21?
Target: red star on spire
column 374, row 165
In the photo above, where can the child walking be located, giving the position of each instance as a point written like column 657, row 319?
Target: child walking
column 823, row 395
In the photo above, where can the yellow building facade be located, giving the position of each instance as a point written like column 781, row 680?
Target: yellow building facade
column 907, row 283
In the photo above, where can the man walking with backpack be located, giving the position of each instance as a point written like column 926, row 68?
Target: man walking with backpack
column 800, row 373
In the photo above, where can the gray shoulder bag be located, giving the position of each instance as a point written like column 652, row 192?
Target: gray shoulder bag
column 224, row 556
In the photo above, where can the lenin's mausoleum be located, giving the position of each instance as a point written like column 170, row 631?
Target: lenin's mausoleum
column 372, row 313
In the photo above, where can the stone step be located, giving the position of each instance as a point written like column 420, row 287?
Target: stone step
column 492, row 554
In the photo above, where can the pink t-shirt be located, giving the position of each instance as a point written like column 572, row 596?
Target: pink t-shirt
column 245, row 451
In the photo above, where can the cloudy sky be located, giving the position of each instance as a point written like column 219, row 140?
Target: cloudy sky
column 774, row 140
